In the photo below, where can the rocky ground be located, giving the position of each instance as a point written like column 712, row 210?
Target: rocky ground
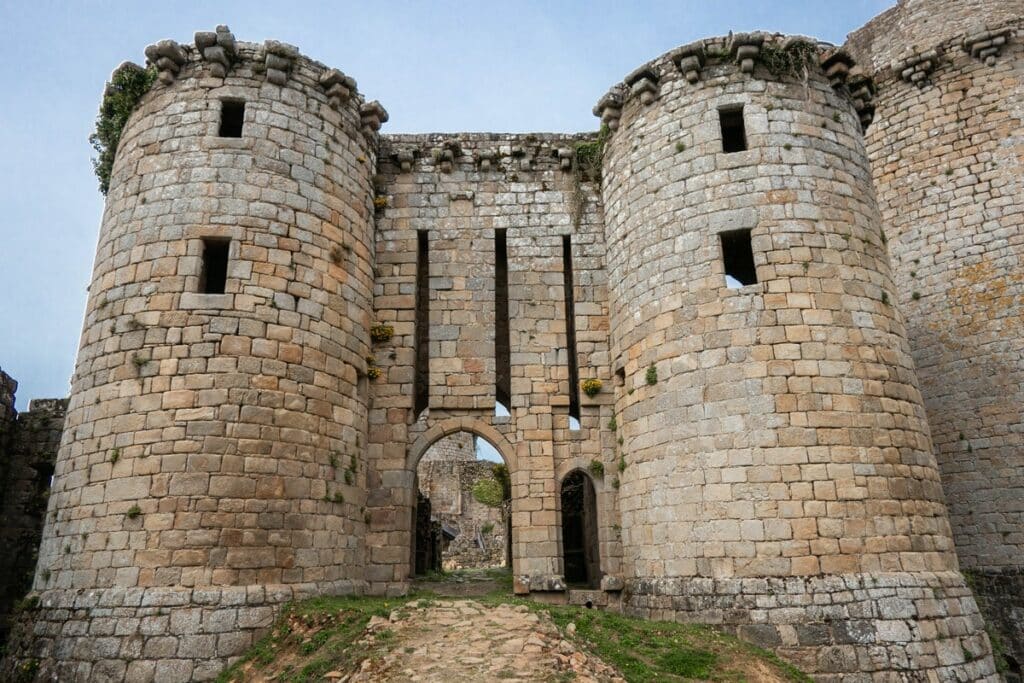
column 463, row 640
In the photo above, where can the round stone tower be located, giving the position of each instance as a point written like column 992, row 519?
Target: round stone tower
column 211, row 465
column 945, row 151
column 778, row 471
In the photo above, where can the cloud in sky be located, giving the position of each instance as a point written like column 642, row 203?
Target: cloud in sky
column 442, row 66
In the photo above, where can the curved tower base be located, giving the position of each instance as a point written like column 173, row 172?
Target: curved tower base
column 848, row 627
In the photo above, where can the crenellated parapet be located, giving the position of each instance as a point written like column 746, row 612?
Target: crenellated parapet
column 760, row 55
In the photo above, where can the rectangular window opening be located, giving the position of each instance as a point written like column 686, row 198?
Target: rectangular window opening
column 502, row 343
column 421, row 390
column 570, row 332
column 232, row 116
column 734, row 135
column 214, row 275
column 738, row 258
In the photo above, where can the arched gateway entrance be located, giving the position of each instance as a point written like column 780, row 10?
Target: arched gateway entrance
column 462, row 518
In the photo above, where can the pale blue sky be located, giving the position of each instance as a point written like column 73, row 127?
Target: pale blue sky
column 446, row 66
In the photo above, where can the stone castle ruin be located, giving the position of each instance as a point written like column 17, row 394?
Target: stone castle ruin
column 758, row 342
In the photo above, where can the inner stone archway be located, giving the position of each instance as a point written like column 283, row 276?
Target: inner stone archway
column 580, row 548
column 463, row 507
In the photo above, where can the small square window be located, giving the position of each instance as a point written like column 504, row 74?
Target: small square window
column 214, row 276
column 734, row 135
column 232, row 116
column 738, row 258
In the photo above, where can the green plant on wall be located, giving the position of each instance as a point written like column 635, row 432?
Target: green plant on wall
column 791, row 59
column 652, row 374
column 127, row 86
column 588, row 157
column 488, row 492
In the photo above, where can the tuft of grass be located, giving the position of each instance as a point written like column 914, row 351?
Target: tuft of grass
column 133, row 512
column 652, row 374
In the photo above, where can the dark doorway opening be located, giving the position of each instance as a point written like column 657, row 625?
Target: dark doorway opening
column 579, row 531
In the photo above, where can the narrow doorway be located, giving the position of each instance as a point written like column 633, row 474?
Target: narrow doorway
column 579, row 531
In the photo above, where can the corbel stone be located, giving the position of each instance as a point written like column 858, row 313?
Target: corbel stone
column 643, row 83
column 914, row 68
column 218, row 48
column 169, row 57
column 338, row 86
column 405, row 159
column 690, row 60
column 836, row 66
column 372, row 115
column 609, row 107
column 986, row 44
column 745, row 48
column 862, row 92
column 486, row 159
column 464, row 195
column 279, row 59
column 565, row 158
column 446, row 155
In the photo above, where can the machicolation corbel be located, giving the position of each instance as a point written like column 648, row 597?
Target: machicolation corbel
column 609, row 107
column 446, row 155
column 405, row 159
column 690, row 60
column 745, row 47
column 565, row 157
column 837, row 65
column 218, row 48
column 986, row 44
column 643, row 83
column 915, row 67
column 372, row 115
column 862, row 92
column 279, row 59
column 486, row 159
column 168, row 57
column 338, row 86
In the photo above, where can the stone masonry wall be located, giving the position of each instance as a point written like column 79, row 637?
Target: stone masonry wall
column 947, row 157
column 784, row 434
column 767, row 460
column 212, row 463
column 28, row 449
column 460, row 189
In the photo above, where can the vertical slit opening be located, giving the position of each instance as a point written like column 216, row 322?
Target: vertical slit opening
column 502, row 344
column 738, row 258
column 214, row 275
column 734, row 135
column 570, row 333
column 232, row 116
column 421, row 379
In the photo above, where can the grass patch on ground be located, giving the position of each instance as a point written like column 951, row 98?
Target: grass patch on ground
column 320, row 635
column 314, row 637
column 645, row 650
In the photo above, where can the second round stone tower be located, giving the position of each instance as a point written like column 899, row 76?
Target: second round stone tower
column 211, row 465
column 778, row 470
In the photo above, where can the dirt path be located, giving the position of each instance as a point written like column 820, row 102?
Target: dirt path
column 465, row 641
